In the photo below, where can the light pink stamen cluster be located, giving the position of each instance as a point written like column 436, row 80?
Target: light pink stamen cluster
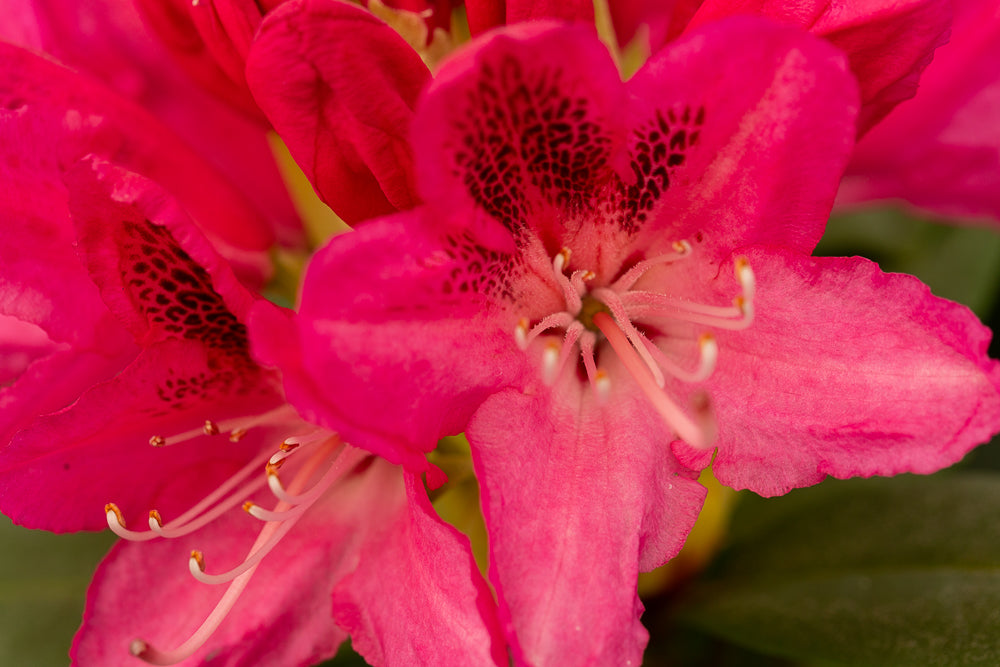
column 645, row 362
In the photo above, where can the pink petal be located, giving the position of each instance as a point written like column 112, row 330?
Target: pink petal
column 156, row 271
column 776, row 127
column 403, row 355
column 577, row 499
column 416, row 597
column 80, row 117
column 484, row 15
column 184, row 305
column 887, row 44
column 564, row 10
column 847, row 371
column 228, row 27
column 339, row 86
column 58, row 472
column 524, row 124
column 144, row 591
column 173, row 22
column 941, row 151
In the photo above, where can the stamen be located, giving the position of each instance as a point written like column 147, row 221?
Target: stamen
column 698, row 433
column 553, row 321
column 682, row 249
column 748, row 281
column 573, row 332
column 617, row 309
column 602, row 387
column 650, row 304
column 210, row 428
column 233, row 425
column 579, row 279
column 264, row 543
column 237, row 434
column 708, row 354
column 521, row 333
column 570, row 292
column 116, row 522
column 258, row 512
column 197, row 516
column 341, row 464
column 550, row 362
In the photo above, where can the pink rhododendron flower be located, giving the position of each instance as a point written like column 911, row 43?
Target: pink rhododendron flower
column 941, row 151
column 887, row 42
column 133, row 390
column 606, row 284
column 108, row 40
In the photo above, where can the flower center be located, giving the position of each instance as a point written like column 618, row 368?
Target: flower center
column 319, row 459
column 589, row 307
column 609, row 314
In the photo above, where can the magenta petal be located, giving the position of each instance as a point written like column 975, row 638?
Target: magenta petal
column 524, row 124
column 58, row 472
column 577, row 499
column 768, row 137
column 81, row 117
column 110, row 41
column 847, row 371
column 339, row 86
column 484, row 15
column 888, row 44
column 156, row 271
column 941, row 150
column 393, row 363
column 416, row 597
column 564, row 10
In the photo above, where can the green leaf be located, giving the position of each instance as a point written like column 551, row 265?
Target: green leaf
column 902, row 571
column 43, row 584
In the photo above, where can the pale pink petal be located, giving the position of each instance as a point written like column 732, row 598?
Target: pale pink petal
column 577, row 499
column 416, row 597
column 741, row 150
column 888, row 44
column 941, row 150
column 339, row 86
column 403, row 354
column 846, row 371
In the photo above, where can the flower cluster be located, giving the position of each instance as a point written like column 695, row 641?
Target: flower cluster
column 608, row 286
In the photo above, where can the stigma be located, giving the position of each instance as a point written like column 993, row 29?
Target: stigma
column 295, row 475
column 632, row 324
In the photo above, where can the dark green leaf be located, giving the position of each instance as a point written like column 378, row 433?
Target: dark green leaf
column 902, row 571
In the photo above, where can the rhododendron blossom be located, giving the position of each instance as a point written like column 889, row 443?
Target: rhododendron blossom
column 606, row 284
column 134, row 403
